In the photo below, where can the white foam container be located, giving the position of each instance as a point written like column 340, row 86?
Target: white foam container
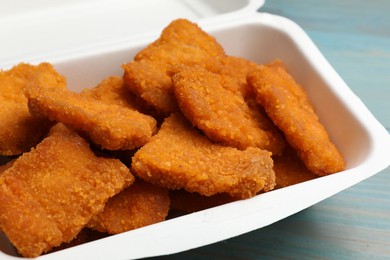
column 85, row 58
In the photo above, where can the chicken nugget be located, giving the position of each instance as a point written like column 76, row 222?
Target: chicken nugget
column 50, row 193
column 289, row 108
column 179, row 157
column 237, row 69
column 19, row 130
column 185, row 39
column 149, row 81
column 221, row 114
column 137, row 206
column 112, row 91
column 290, row 170
column 111, row 126
column 181, row 42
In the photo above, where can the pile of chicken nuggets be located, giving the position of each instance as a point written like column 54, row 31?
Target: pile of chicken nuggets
column 187, row 127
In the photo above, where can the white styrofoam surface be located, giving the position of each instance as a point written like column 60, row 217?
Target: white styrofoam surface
column 41, row 28
column 261, row 38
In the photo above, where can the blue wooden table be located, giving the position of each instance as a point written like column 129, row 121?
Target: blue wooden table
column 355, row 224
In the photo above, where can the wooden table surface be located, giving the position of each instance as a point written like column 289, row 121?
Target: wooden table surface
column 354, row 35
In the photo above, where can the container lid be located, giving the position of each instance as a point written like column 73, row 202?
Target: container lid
column 41, row 28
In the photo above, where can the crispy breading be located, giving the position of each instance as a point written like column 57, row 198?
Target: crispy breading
column 287, row 104
column 50, row 193
column 112, row 91
column 185, row 38
column 236, row 68
column 181, row 42
column 137, row 206
column 44, row 73
column 111, row 126
column 178, row 156
column 150, row 82
column 19, row 130
column 223, row 115
column 289, row 169
column 186, row 202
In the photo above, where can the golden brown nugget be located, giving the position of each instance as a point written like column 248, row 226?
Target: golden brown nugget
column 137, row 206
column 237, row 69
column 289, row 108
column 111, row 126
column 50, row 193
column 181, row 42
column 290, row 170
column 149, row 81
column 112, row 91
column 44, row 73
column 179, row 157
column 19, row 130
column 186, row 39
column 221, row 114
column 187, row 202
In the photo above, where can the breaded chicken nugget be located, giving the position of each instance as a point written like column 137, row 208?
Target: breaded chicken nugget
column 19, row 130
column 237, row 69
column 181, row 42
column 221, row 114
column 151, row 83
column 44, row 73
column 50, row 193
column 186, row 39
column 288, row 106
column 289, row 169
column 137, row 206
column 186, row 202
column 178, row 156
column 112, row 91
column 111, row 126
